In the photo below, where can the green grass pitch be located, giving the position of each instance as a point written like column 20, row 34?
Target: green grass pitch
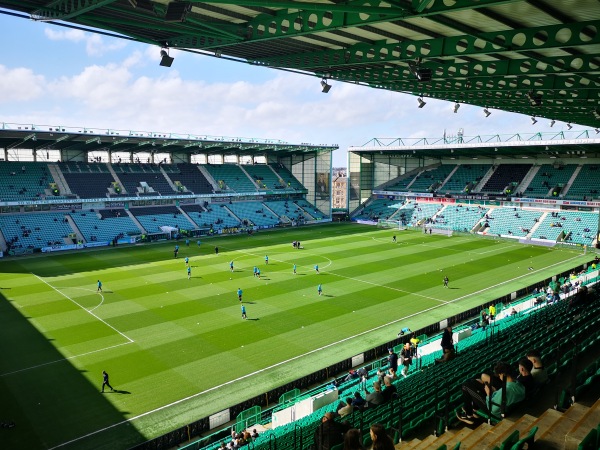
column 178, row 350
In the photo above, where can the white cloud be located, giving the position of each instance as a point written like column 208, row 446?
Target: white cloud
column 20, row 85
column 95, row 45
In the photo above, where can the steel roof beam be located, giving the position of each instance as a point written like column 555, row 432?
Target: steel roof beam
column 519, row 40
column 68, row 9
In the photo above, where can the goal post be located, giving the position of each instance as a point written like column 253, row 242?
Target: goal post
column 390, row 224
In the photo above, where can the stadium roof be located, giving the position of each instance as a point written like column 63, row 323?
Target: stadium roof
column 57, row 137
column 564, row 145
column 535, row 57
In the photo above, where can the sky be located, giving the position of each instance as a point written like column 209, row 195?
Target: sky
column 51, row 75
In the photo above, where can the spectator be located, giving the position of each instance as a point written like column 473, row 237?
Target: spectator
column 447, row 346
column 478, row 394
column 358, row 401
column 406, row 358
column 329, row 432
column 393, row 359
column 353, row 440
column 538, row 372
column 389, row 391
column 525, row 377
column 381, row 441
column 347, row 408
column 374, row 398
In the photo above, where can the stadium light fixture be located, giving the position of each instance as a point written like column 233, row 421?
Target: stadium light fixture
column 533, row 120
column 456, row 106
column 596, row 130
column 421, row 102
column 486, row 112
column 552, row 122
column 569, row 126
column 324, row 86
column 165, row 59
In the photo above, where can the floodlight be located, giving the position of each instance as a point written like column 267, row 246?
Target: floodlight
column 486, row 112
column 324, row 86
column 533, row 120
column 569, row 126
column 165, row 59
column 552, row 122
column 456, row 106
column 596, row 130
column 421, row 102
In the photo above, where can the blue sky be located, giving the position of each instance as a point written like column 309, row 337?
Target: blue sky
column 54, row 75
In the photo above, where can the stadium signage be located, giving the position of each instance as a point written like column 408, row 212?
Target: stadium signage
column 61, row 248
column 554, row 202
column 122, row 199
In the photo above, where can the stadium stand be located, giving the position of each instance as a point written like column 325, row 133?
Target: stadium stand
column 430, row 180
column 191, row 178
column 415, row 214
column 153, row 218
column 231, row 177
column 23, row 181
column 253, row 212
column 506, row 176
column 153, row 183
column 264, row 177
column 459, row 217
column 289, row 180
column 510, row 222
column 465, row 176
column 87, row 180
column 402, row 184
column 378, row 209
column 313, row 213
column 575, row 227
column 211, row 217
column 35, row 230
column 547, row 177
column 96, row 227
column 586, row 184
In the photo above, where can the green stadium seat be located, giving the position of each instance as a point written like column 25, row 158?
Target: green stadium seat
column 527, row 441
column 511, row 440
column 590, row 441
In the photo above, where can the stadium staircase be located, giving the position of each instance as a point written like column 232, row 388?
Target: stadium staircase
column 485, row 179
column 254, row 183
column 116, row 177
column 209, row 178
column 567, row 186
column 137, row 222
column 78, row 233
column 527, row 179
column 162, row 170
column 3, row 245
column 449, row 177
column 537, row 225
column 59, row 179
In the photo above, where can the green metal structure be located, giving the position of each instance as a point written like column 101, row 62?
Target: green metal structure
column 535, row 57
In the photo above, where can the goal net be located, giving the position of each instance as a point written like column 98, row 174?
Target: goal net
column 390, row 224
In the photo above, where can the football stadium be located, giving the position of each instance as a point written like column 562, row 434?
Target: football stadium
column 163, row 290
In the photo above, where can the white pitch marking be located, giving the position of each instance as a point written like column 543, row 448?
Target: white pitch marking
column 87, row 311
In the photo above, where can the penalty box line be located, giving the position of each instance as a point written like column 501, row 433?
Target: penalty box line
column 129, row 340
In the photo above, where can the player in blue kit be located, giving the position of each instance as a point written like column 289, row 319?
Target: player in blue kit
column 258, row 273
column 231, row 266
column 294, row 269
column 189, row 271
column 239, row 292
column 266, row 259
column 99, row 286
column 320, row 289
column 317, row 268
column 244, row 312
column 176, row 251
column 255, row 271
column 187, row 260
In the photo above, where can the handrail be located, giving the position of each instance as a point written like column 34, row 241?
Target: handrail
column 445, row 416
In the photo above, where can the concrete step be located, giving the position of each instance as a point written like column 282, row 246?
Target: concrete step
column 493, row 433
column 523, row 425
column 590, row 420
column 428, row 443
column 554, row 437
column 475, row 436
column 408, row 445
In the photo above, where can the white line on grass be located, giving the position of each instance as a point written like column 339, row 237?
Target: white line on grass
column 86, row 310
column 64, row 359
column 198, row 394
column 89, row 290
